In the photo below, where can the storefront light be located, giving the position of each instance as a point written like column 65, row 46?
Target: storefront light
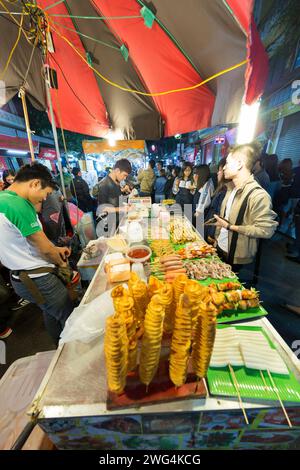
column 113, row 136
column 17, row 152
column 247, row 123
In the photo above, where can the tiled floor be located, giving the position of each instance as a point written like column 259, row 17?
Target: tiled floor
column 279, row 282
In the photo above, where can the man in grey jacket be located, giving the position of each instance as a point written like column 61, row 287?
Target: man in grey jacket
column 246, row 212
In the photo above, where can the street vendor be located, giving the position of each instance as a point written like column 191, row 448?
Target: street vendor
column 27, row 252
column 111, row 200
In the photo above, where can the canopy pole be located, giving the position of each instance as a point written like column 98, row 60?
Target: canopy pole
column 22, row 94
column 49, row 100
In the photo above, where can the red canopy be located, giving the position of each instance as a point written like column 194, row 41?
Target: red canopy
column 171, row 46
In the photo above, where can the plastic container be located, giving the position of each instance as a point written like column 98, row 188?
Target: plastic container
column 138, row 268
column 136, row 248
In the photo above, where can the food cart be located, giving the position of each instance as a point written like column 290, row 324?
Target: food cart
column 71, row 404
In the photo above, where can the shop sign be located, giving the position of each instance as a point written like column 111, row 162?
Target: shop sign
column 219, row 140
column 48, row 154
column 286, row 109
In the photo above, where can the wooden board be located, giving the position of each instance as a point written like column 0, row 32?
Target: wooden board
column 160, row 390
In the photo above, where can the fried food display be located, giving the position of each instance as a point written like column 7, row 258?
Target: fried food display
column 204, row 338
column 166, row 298
column 139, row 292
column 154, row 285
column 124, row 306
column 181, row 231
column 116, row 353
column 181, row 342
column 151, row 342
column 162, row 247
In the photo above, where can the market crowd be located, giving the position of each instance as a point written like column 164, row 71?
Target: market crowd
column 240, row 201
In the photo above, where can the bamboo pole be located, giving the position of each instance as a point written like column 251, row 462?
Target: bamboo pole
column 22, row 95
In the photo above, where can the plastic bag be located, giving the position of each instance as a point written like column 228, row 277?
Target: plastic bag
column 87, row 322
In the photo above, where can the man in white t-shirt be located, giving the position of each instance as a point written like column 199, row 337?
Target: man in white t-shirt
column 258, row 220
column 25, row 249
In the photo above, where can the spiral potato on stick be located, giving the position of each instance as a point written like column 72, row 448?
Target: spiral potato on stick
column 151, row 342
column 116, row 353
column 181, row 342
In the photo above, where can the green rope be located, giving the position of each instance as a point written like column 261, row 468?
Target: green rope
column 97, row 17
column 86, row 36
column 54, row 4
column 163, row 27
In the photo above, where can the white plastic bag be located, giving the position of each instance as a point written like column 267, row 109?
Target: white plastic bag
column 87, row 322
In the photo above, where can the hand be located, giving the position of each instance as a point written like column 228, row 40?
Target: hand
column 196, row 214
column 221, row 222
column 64, row 253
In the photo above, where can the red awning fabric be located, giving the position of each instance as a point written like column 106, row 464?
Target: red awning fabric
column 16, row 143
column 188, row 42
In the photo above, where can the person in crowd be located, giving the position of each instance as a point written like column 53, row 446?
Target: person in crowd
column 111, row 200
column 146, row 180
column 295, row 255
column 173, row 174
column 184, row 187
column 95, row 190
column 216, row 201
column 159, row 167
column 282, row 203
column 68, row 181
column 159, row 186
column 8, row 177
column 54, row 216
column 81, row 192
column 260, row 174
column 285, row 168
column 246, row 211
column 26, row 250
column 204, row 189
column 271, row 167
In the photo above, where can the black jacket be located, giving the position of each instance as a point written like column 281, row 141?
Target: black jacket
column 85, row 201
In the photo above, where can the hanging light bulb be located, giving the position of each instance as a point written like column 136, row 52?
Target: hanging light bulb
column 113, row 136
column 247, row 123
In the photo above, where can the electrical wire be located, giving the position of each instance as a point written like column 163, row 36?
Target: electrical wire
column 86, row 36
column 75, row 94
column 13, row 49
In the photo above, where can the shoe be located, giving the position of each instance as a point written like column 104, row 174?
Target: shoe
column 20, row 304
column 6, row 333
column 296, row 259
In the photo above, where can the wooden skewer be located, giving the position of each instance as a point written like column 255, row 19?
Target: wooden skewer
column 279, row 399
column 263, row 379
column 236, row 385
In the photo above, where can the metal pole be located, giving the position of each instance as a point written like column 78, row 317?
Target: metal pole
column 28, row 130
column 49, row 100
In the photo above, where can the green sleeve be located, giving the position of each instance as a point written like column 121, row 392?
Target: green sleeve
column 24, row 217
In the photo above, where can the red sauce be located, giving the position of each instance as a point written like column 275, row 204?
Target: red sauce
column 138, row 253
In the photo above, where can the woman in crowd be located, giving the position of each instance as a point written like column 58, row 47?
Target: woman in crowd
column 204, row 190
column 216, row 201
column 184, row 187
column 159, row 186
column 173, row 174
column 8, row 178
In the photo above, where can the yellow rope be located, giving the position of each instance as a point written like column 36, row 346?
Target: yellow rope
column 161, row 93
column 15, row 21
column 13, row 49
